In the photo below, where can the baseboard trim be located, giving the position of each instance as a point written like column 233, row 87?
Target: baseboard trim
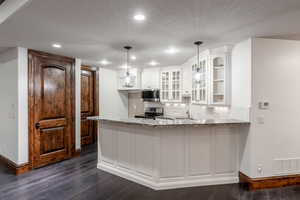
column 166, row 185
column 269, row 182
column 15, row 168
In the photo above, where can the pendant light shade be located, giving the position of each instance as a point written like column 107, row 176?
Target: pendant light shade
column 127, row 78
column 197, row 75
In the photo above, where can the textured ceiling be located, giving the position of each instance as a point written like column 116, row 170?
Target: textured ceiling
column 97, row 29
column 8, row 7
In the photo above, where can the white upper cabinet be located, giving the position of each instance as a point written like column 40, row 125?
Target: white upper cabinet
column 200, row 81
column 170, row 85
column 150, row 78
column 219, row 79
column 212, row 87
column 206, row 84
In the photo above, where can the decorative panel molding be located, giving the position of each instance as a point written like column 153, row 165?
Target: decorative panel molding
column 199, row 151
column 225, row 146
column 172, row 153
column 106, row 141
column 124, row 143
column 165, row 158
column 144, row 151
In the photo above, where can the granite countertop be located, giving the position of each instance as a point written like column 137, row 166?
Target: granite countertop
column 170, row 122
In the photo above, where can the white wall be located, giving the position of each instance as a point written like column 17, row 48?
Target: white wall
column 22, row 105
column 275, row 132
column 9, row 105
column 14, row 105
column 241, row 74
column 241, row 82
column 113, row 104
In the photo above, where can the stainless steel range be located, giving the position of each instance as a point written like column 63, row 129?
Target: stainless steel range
column 151, row 113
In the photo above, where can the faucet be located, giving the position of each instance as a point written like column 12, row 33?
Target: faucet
column 188, row 112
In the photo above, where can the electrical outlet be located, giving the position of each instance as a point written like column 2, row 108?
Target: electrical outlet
column 260, row 169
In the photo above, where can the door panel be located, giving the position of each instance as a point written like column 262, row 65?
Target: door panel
column 87, row 105
column 85, row 126
column 53, row 92
column 52, row 139
column 51, row 108
column 86, row 92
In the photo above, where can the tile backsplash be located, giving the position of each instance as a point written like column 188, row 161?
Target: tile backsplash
column 206, row 112
column 136, row 106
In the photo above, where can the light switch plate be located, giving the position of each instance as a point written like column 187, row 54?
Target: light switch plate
column 263, row 105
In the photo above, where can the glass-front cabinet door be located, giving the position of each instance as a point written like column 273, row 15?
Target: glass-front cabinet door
column 165, row 81
column 176, row 85
column 170, row 85
column 200, row 82
column 218, row 80
column 210, row 80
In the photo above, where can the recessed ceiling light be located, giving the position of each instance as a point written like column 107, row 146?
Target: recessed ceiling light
column 171, row 50
column 104, row 62
column 133, row 57
column 153, row 63
column 139, row 17
column 56, row 45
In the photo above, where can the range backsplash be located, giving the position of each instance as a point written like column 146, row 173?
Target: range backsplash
column 136, row 107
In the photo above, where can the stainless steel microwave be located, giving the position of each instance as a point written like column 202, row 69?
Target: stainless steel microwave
column 152, row 95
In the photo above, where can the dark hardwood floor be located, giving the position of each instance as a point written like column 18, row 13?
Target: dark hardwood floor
column 79, row 178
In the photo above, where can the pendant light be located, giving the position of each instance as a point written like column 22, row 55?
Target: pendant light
column 197, row 75
column 127, row 79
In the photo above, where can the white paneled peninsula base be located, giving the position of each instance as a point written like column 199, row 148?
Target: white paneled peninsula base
column 170, row 154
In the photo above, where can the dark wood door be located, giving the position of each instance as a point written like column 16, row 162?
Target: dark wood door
column 52, row 108
column 88, row 127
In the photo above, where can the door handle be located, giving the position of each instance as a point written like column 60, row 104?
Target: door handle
column 37, row 125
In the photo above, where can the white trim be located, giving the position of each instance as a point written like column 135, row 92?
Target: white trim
column 167, row 184
column 22, row 105
column 77, row 103
column 8, row 8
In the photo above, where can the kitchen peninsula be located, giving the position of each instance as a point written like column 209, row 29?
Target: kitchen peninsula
column 164, row 153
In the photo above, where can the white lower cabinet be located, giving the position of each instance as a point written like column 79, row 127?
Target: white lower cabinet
column 170, row 157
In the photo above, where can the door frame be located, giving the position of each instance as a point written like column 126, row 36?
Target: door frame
column 96, row 96
column 31, row 103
